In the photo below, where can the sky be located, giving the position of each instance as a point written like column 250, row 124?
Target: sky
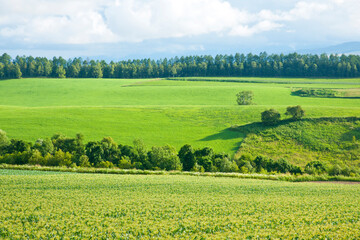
column 126, row 29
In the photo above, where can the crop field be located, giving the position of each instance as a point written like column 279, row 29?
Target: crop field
column 157, row 111
column 46, row 205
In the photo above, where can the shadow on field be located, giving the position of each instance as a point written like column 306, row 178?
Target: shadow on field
column 257, row 127
column 225, row 134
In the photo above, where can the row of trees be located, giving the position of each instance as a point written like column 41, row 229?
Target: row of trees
column 72, row 152
column 262, row 65
column 64, row 151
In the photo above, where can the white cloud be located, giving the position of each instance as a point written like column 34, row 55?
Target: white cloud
column 105, row 21
column 138, row 20
column 40, row 21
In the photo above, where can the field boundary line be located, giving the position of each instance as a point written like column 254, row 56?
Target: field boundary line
column 116, row 171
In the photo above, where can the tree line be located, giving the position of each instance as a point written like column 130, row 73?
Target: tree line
column 61, row 150
column 238, row 65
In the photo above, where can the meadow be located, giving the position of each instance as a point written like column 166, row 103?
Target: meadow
column 56, row 205
column 157, row 111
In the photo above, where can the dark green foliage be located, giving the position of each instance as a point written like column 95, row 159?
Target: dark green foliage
column 335, row 170
column 107, row 154
column 244, row 97
column 281, row 166
column 308, row 92
column 187, row 157
column 296, row 112
column 18, row 146
column 205, row 158
column 94, row 152
column 315, row 167
column 110, row 150
column 18, row 158
column 270, row 117
column 206, row 162
column 44, row 146
column 128, row 151
column 238, row 65
column 205, row 152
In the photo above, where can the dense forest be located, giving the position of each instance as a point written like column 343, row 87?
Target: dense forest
column 238, row 65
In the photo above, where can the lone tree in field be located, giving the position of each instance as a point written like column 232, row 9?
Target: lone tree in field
column 270, row 117
column 296, row 112
column 244, row 97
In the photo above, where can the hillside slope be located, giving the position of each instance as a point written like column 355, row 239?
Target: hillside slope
column 330, row 140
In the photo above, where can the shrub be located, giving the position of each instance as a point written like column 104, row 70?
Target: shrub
column 197, row 168
column 296, row 112
column 315, row 167
column 227, row 166
column 105, row 164
column 36, row 158
column 321, row 92
column 244, row 97
column 60, row 159
column 125, row 163
column 270, row 117
column 84, row 161
column 335, row 170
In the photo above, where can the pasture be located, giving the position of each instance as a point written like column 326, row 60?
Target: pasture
column 160, row 112
column 39, row 205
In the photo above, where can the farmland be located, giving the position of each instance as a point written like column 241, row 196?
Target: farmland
column 60, row 205
column 158, row 111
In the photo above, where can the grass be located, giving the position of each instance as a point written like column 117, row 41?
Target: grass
column 39, row 205
column 333, row 141
column 157, row 111
column 117, row 171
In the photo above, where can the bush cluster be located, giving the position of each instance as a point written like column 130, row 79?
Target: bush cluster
column 261, row 164
column 309, row 92
column 73, row 152
column 272, row 117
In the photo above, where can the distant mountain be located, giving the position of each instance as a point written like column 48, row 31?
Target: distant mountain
column 344, row 48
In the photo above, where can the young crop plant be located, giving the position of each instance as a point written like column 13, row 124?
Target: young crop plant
column 50, row 205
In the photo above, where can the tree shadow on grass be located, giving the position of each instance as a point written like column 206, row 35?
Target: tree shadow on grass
column 257, row 127
column 225, row 134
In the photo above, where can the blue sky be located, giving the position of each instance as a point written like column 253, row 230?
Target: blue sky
column 121, row 29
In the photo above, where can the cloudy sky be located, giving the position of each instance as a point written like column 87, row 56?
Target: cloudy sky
column 120, row 29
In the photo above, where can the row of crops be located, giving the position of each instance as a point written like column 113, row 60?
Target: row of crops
column 69, row 205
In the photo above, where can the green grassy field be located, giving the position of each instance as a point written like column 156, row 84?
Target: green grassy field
column 42, row 205
column 334, row 141
column 157, row 111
